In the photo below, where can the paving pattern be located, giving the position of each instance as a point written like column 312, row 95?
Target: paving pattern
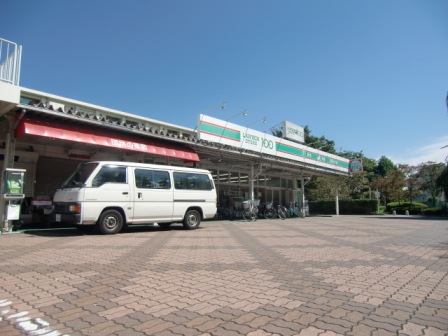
column 326, row 276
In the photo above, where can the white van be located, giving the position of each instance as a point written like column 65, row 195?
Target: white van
column 110, row 195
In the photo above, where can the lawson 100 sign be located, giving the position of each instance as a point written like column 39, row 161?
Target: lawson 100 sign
column 224, row 132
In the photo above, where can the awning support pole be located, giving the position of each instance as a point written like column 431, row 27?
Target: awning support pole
column 10, row 144
column 7, row 163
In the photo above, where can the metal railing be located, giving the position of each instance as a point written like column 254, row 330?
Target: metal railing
column 10, row 60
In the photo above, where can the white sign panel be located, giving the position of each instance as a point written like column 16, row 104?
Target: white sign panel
column 224, row 132
column 293, row 132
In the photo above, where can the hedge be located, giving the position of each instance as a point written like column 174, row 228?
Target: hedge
column 433, row 212
column 346, row 207
column 400, row 208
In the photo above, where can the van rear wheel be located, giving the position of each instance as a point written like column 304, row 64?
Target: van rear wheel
column 192, row 220
column 110, row 222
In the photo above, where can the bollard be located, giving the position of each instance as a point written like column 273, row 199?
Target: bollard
column 394, row 212
column 407, row 212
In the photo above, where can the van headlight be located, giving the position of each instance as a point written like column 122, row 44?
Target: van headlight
column 75, row 208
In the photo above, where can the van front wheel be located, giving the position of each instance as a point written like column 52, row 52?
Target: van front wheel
column 192, row 220
column 110, row 222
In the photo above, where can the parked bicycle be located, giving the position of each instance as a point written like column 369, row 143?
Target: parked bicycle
column 250, row 210
column 281, row 211
column 294, row 211
column 271, row 212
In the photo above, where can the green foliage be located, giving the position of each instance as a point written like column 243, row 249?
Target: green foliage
column 442, row 181
column 324, row 188
column 395, row 183
column 346, row 207
column 428, row 173
column 391, row 186
column 401, row 207
column 433, row 212
column 383, row 166
column 321, row 143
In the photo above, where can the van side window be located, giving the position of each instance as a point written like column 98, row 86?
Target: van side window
column 110, row 174
column 192, row 181
column 152, row 179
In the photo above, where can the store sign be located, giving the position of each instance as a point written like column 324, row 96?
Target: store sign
column 356, row 166
column 293, row 132
column 226, row 133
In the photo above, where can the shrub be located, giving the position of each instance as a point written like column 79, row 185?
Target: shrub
column 401, row 207
column 433, row 212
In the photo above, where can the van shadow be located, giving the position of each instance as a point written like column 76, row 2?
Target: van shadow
column 74, row 232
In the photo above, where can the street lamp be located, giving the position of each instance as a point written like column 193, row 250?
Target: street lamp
column 244, row 113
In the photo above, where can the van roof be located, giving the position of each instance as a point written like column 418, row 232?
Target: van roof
column 148, row 165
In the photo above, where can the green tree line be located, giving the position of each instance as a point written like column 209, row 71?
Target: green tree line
column 392, row 182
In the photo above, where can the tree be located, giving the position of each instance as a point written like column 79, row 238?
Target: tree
column 321, row 143
column 391, row 186
column 442, row 182
column 428, row 173
column 383, row 166
column 413, row 183
column 359, row 186
column 324, row 188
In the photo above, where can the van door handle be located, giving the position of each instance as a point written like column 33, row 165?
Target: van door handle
column 125, row 193
column 139, row 195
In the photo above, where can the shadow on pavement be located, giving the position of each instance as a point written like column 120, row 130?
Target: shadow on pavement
column 61, row 231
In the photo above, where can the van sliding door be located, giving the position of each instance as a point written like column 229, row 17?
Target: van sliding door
column 153, row 196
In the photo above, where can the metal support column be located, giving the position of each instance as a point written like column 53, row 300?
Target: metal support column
column 251, row 182
column 7, row 163
column 303, row 193
column 337, row 199
column 10, row 145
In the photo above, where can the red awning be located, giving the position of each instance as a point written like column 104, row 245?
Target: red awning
column 103, row 138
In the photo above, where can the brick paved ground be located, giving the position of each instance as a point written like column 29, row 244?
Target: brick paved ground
column 313, row 276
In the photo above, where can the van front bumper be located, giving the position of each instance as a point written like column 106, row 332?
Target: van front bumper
column 74, row 219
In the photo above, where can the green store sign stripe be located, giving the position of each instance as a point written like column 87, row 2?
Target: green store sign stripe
column 220, row 131
column 309, row 155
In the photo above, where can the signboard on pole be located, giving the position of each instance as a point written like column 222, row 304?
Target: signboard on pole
column 293, row 132
column 356, row 166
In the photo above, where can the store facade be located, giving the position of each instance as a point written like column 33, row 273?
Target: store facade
column 49, row 136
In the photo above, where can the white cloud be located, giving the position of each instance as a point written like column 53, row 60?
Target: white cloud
column 432, row 152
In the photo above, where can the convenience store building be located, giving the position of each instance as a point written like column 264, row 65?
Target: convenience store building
column 49, row 136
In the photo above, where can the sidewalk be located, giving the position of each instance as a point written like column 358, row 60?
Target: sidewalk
column 341, row 275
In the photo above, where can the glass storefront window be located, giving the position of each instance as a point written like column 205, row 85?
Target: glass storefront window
column 286, row 183
column 273, row 181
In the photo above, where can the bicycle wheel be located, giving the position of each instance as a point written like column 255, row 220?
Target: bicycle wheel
column 269, row 213
column 282, row 213
column 247, row 214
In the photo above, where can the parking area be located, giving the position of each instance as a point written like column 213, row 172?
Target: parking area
column 340, row 275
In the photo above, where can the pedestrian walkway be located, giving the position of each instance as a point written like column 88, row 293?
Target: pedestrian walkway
column 341, row 275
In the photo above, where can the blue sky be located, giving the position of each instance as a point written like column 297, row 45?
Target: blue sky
column 370, row 75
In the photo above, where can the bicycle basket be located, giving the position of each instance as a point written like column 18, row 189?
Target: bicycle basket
column 246, row 205
column 256, row 202
column 269, row 205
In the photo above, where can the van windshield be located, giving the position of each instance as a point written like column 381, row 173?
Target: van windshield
column 80, row 176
